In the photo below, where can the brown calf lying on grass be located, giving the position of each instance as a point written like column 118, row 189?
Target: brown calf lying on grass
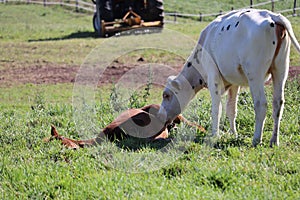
column 118, row 129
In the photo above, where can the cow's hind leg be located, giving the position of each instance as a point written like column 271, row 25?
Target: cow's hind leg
column 231, row 107
column 260, row 107
column 278, row 104
column 279, row 76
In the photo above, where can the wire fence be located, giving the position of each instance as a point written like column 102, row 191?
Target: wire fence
column 80, row 5
column 272, row 3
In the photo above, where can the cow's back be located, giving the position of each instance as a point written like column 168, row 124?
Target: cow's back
column 238, row 39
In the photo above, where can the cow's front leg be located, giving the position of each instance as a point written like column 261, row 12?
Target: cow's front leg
column 231, row 107
column 260, row 107
column 216, row 107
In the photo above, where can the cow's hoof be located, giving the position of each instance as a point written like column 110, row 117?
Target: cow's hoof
column 211, row 140
column 274, row 143
column 235, row 135
column 256, row 142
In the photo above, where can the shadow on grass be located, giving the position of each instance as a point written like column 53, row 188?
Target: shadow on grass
column 75, row 35
column 92, row 34
column 222, row 143
column 134, row 144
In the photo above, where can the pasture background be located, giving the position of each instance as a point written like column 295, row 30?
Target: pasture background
column 38, row 36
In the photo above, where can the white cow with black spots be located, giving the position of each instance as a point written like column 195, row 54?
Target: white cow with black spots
column 240, row 48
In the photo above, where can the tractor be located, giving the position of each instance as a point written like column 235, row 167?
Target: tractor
column 114, row 16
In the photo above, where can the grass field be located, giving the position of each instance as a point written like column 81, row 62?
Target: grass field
column 33, row 169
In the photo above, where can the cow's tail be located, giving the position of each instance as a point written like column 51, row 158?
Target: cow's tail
column 286, row 23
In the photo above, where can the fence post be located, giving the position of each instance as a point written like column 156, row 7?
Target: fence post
column 200, row 17
column 251, row 3
column 45, row 3
column 77, row 6
column 294, row 8
column 273, row 5
column 175, row 16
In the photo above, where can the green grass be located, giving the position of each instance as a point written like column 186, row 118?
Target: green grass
column 24, row 95
column 231, row 169
column 32, row 22
column 31, row 34
column 32, row 169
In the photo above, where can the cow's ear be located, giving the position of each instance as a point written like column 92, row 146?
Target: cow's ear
column 176, row 84
column 170, row 79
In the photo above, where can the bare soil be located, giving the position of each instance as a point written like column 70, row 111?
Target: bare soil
column 49, row 73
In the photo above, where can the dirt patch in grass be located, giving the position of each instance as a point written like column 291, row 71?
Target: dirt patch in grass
column 49, row 73
column 294, row 72
column 38, row 74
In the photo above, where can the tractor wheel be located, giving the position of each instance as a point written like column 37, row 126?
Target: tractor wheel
column 154, row 11
column 106, row 10
column 96, row 23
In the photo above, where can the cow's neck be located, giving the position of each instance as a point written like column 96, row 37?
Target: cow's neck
column 194, row 72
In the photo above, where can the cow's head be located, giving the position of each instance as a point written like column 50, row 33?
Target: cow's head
column 176, row 95
column 180, row 89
